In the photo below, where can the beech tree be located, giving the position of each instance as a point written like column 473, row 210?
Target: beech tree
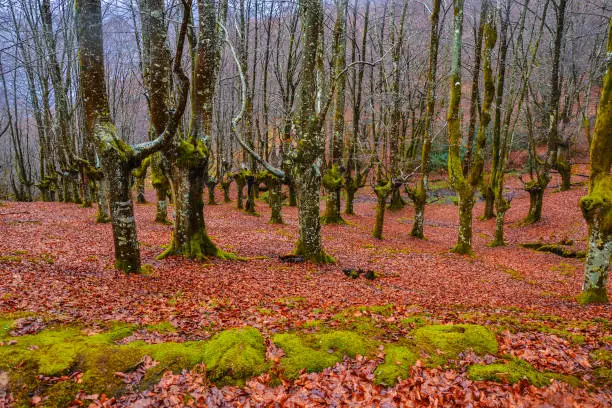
column 306, row 158
column 333, row 179
column 466, row 183
column 117, row 157
column 188, row 156
column 537, row 185
column 419, row 194
column 597, row 204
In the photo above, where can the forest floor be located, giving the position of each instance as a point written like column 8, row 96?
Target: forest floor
column 56, row 264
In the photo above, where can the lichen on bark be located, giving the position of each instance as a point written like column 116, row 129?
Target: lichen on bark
column 597, row 204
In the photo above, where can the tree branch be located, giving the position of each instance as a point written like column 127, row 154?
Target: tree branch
column 275, row 171
column 145, row 149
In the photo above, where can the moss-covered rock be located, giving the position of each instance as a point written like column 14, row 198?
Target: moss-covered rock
column 398, row 361
column 313, row 353
column 445, row 342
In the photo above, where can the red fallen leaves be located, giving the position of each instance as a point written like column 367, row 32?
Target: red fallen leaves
column 350, row 384
column 79, row 283
column 27, row 325
column 546, row 352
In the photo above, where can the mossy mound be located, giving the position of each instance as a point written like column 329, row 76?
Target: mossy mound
column 313, row 353
column 234, row 355
column 516, row 370
column 443, row 342
column 398, row 361
column 230, row 356
column 510, row 372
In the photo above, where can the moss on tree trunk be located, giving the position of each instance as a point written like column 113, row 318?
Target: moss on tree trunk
column 382, row 190
column 597, row 205
column 332, row 182
column 292, row 195
column 211, row 184
column 536, row 199
column 350, row 200
column 251, row 193
column 419, row 200
column 102, row 216
column 464, row 240
column 188, row 165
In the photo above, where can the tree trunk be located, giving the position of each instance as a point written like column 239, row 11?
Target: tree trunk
column 275, row 198
column 350, row 199
column 420, row 194
column 382, row 190
column 419, row 200
column 225, row 185
column 308, row 184
column 332, row 182
column 189, row 238
column 211, row 184
column 464, row 241
column 127, row 252
column 501, row 205
column 292, row 195
column 536, row 198
column 240, row 178
column 161, row 184
column 102, row 216
column 251, row 190
column 465, row 184
column 597, row 205
column 397, row 202
column 562, row 165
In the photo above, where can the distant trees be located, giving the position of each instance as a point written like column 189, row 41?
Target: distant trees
column 309, row 97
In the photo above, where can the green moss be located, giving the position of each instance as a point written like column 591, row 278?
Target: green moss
column 321, row 257
column 593, row 295
column 332, row 180
column 264, row 311
column 199, row 247
column 235, row 355
column 9, row 259
column 415, row 321
column 312, row 324
column 516, row 370
column 123, row 149
column 398, row 361
column 162, row 327
column 291, row 301
column 444, row 342
column 363, row 325
column 603, row 359
column 230, row 356
column 301, row 357
column 192, row 153
column 384, row 310
column 313, row 353
column 511, row 372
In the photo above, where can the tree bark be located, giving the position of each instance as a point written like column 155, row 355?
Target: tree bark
column 420, row 194
column 597, row 204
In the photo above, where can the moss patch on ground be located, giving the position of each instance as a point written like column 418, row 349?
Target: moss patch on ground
column 313, row 353
column 445, row 342
column 230, row 356
column 516, row 370
column 398, row 361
